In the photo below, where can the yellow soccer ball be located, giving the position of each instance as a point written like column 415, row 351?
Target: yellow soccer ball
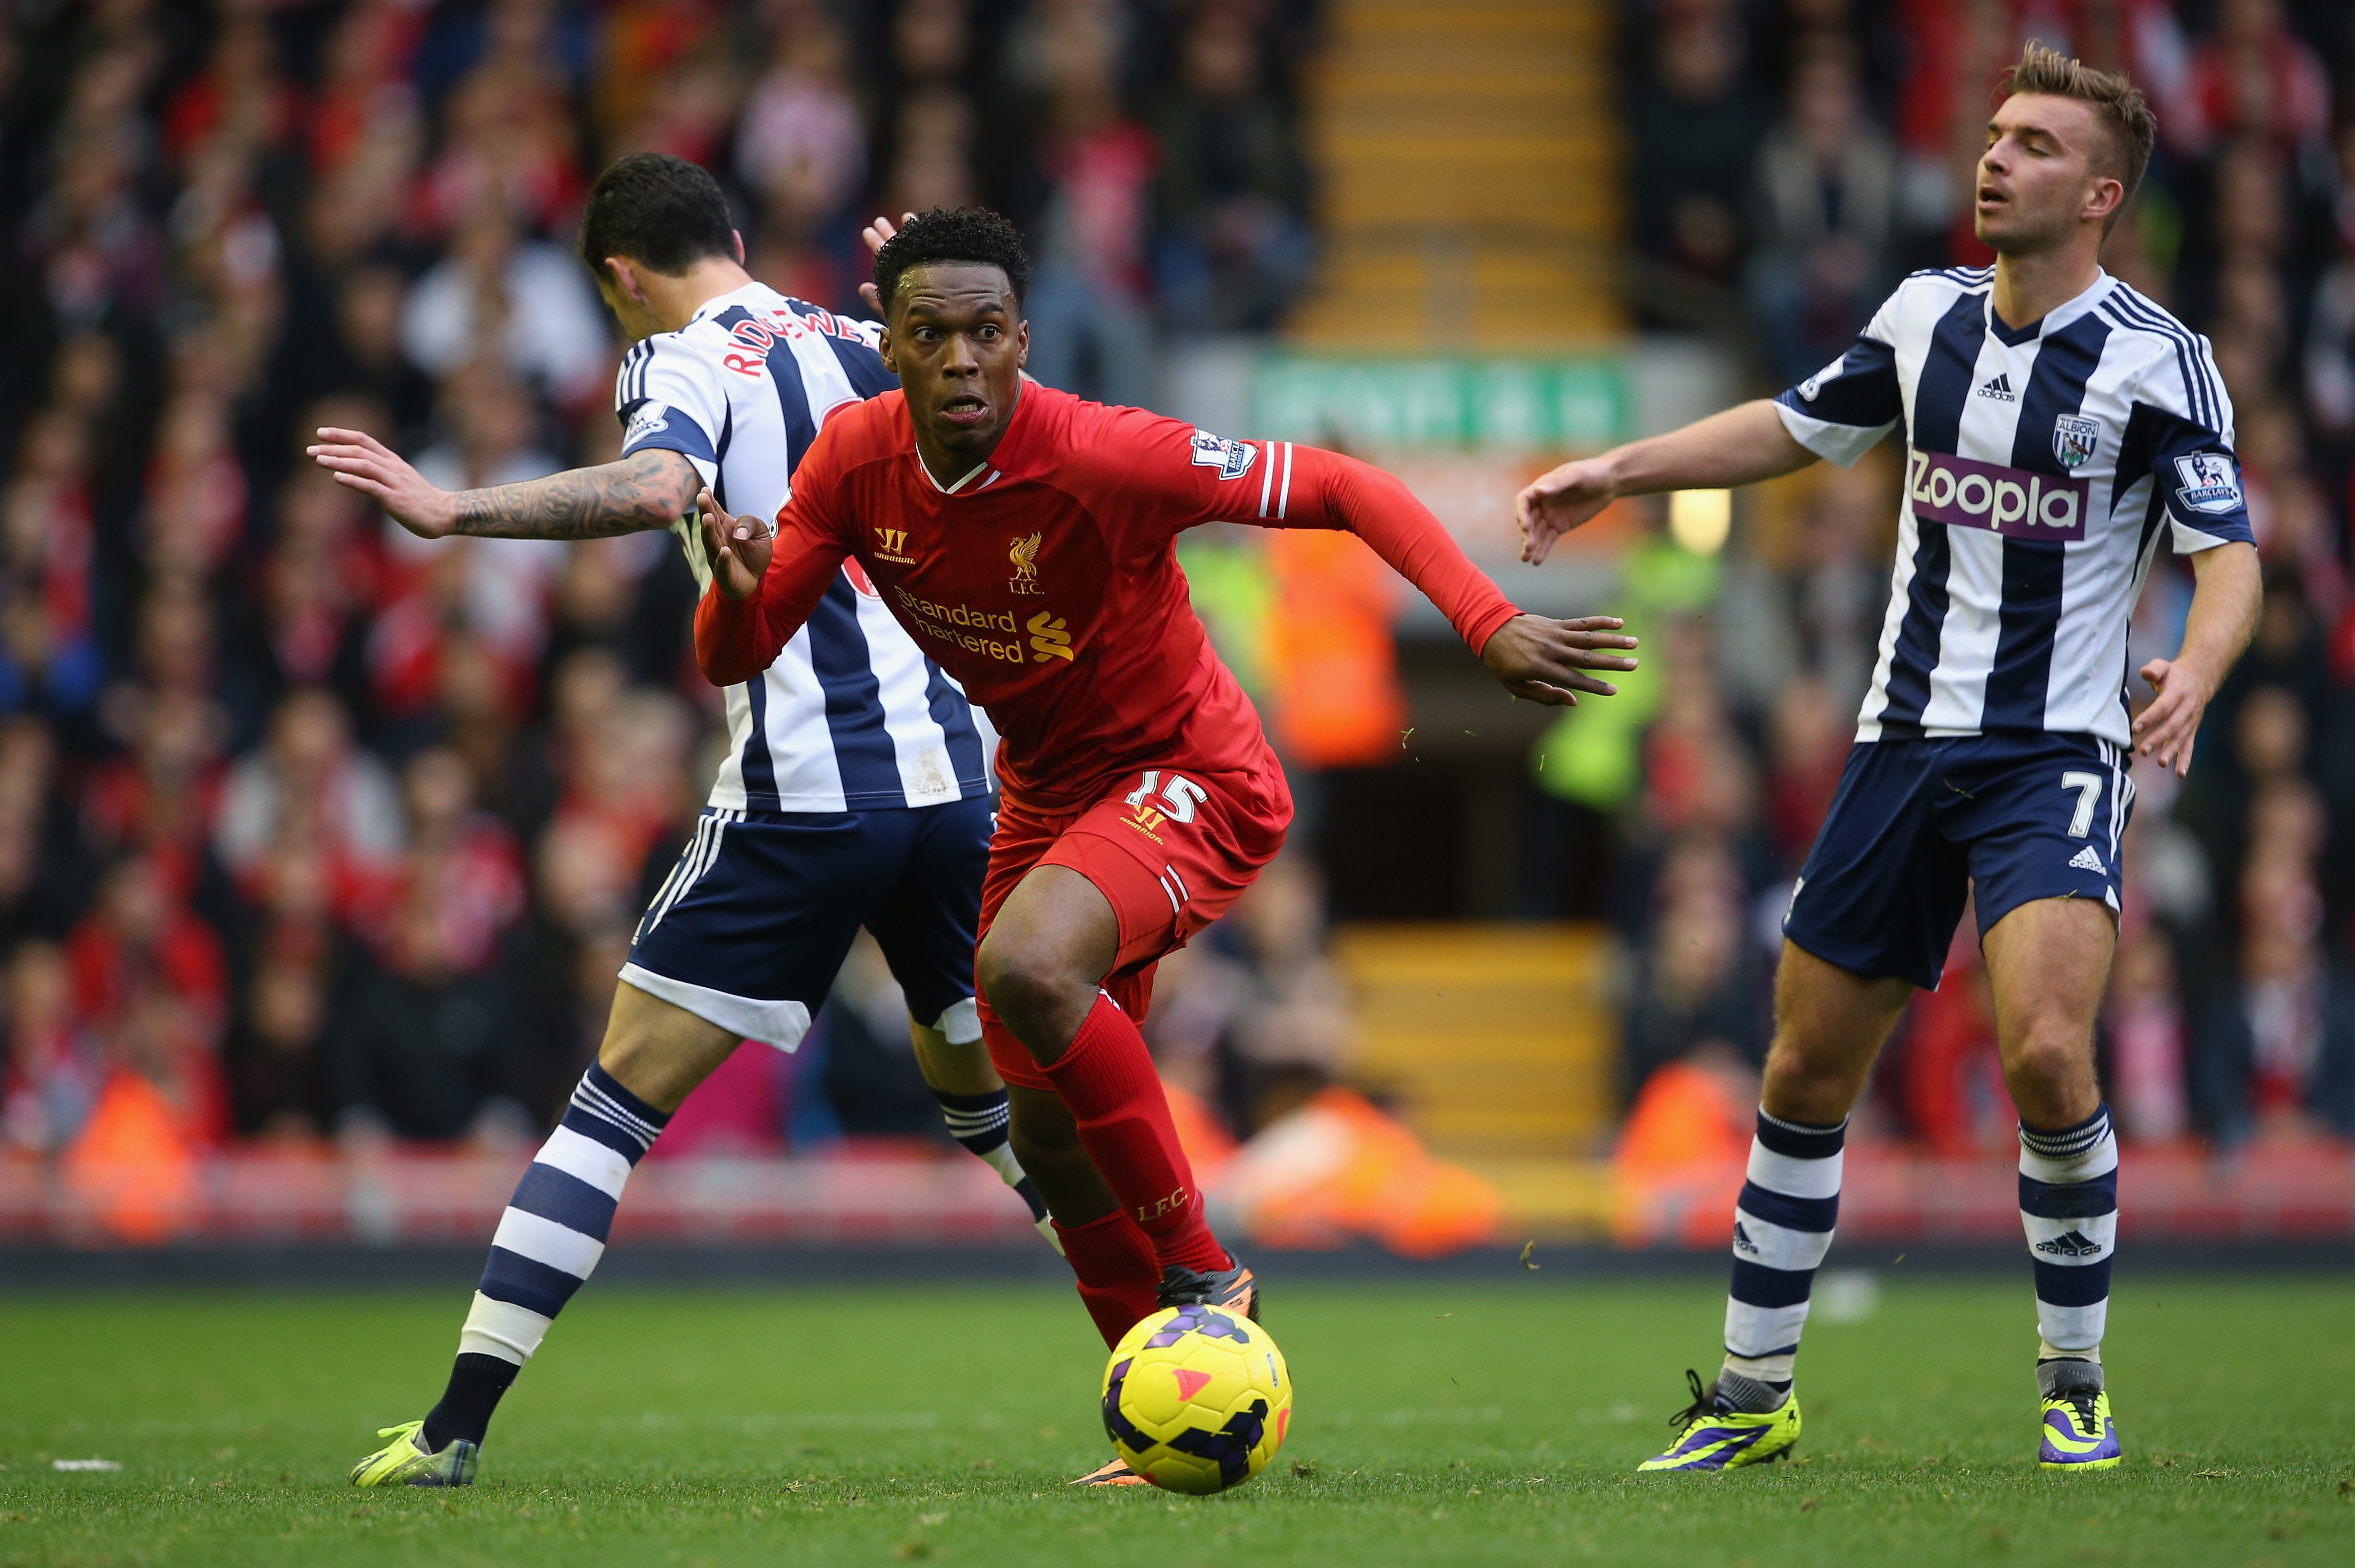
column 1197, row 1399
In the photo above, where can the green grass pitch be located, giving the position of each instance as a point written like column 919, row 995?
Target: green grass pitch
column 1443, row 1423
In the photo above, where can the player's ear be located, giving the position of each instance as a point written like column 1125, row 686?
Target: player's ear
column 883, row 347
column 2108, row 195
column 625, row 279
column 1021, row 344
column 739, row 239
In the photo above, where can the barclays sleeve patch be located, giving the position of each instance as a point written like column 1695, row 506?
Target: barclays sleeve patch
column 1232, row 459
column 2210, row 484
column 651, row 418
column 1812, row 388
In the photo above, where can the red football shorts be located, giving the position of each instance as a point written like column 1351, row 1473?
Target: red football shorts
column 1170, row 849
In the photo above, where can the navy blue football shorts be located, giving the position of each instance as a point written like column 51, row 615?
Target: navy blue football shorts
column 1918, row 824
column 757, row 916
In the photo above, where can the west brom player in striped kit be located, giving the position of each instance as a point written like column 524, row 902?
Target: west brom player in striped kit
column 855, row 788
column 2059, row 428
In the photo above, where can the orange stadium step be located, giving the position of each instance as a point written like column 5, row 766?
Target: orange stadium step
column 1469, row 159
column 1497, row 1040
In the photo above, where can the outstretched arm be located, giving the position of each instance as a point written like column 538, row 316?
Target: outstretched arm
column 648, row 489
column 2224, row 617
column 1740, row 446
column 1533, row 656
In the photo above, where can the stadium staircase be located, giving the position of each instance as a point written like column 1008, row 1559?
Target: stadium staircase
column 1496, row 1043
column 1469, row 160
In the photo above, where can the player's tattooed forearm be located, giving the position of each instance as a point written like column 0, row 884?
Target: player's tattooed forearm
column 645, row 490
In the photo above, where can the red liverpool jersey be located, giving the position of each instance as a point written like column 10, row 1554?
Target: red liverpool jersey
column 1047, row 581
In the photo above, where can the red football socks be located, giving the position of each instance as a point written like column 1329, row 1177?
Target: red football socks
column 1107, row 1082
column 1119, row 1275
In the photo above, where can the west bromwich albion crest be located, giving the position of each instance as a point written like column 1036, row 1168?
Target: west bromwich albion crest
column 2075, row 438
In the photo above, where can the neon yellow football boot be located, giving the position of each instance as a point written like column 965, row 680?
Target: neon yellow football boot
column 1711, row 1438
column 404, row 1461
column 2078, row 1432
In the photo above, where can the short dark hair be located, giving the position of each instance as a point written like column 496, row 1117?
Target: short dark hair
column 660, row 211
column 973, row 235
column 2119, row 108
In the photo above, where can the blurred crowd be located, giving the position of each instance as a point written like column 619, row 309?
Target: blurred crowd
column 309, row 830
column 1788, row 164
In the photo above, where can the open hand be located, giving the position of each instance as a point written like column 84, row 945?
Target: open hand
column 877, row 234
column 2166, row 729
column 1541, row 659
column 737, row 548
column 364, row 463
column 1553, row 504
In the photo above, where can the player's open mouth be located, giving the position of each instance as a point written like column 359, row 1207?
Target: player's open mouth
column 964, row 410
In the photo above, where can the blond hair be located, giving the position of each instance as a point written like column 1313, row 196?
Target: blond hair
column 2119, row 107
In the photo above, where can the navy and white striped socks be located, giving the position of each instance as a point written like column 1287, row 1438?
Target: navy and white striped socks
column 1782, row 1225
column 548, row 1242
column 2068, row 1207
column 979, row 1122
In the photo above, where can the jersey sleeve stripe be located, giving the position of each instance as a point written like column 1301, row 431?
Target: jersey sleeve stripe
column 2119, row 319
column 1266, row 475
column 626, row 376
column 2129, row 313
column 1284, row 503
column 2199, row 389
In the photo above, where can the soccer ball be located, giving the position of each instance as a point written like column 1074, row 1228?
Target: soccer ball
column 1197, row 1399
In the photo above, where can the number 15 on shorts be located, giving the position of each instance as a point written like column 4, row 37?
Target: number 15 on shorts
column 1174, row 798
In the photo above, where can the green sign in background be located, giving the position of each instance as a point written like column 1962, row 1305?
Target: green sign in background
column 1503, row 404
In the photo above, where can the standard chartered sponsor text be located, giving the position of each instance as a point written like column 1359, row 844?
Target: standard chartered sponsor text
column 959, row 625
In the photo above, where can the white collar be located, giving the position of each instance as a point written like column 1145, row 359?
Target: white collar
column 2062, row 314
column 950, row 489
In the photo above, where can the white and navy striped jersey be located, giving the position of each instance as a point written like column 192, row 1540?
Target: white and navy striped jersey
column 2040, row 465
column 852, row 716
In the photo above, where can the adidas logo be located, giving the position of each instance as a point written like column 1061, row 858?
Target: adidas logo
column 2070, row 1245
column 1741, row 1242
column 1999, row 388
column 2086, row 861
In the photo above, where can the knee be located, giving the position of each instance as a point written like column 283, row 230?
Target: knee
column 1814, row 1086
column 2049, row 1061
column 627, row 1051
column 1027, row 985
column 659, row 1052
column 1792, row 1066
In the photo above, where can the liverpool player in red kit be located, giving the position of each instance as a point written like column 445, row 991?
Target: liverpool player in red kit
column 1025, row 537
